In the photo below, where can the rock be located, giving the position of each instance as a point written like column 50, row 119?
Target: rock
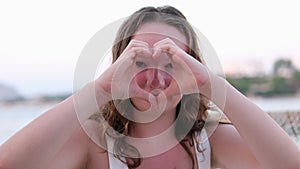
column 9, row 93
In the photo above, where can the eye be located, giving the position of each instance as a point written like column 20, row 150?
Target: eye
column 169, row 66
column 140, row 64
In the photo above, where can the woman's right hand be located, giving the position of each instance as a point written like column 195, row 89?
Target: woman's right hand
column 118, row 80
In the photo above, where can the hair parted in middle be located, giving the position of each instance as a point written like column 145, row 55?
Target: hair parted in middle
column 190, row 110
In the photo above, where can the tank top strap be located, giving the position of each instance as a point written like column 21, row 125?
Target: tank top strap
column 204, row 157
column 114, row 163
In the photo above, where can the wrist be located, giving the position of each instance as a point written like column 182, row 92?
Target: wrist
column 215, row 89
column 85, row 102
column 99, row 93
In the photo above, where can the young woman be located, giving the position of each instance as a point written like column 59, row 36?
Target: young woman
column 149, row 110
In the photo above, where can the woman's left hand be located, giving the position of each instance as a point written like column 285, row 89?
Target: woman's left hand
column 190, row 74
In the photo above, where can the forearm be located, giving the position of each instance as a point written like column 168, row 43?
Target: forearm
column 268, row 142
column 37, row 143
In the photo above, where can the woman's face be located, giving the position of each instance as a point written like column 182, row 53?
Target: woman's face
column 155, row 75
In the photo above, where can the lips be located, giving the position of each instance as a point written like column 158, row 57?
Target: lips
column 155, row 92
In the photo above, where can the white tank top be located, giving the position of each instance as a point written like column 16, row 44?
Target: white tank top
column 203, row 158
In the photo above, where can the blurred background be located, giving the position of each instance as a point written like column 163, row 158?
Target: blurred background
column 257, row 43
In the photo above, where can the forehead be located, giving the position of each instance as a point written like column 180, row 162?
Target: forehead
column 155, row 31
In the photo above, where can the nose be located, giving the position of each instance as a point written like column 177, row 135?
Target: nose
column 157, row 79
column 150, row 79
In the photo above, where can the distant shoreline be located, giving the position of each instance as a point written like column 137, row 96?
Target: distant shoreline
column 269, row 105
column 29, row 103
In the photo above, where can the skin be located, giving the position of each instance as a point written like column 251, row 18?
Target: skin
column 255, row 141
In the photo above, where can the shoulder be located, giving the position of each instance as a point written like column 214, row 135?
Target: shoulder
column 93, row 132
column 78, row 150
column 229, row 150
column 97, row 154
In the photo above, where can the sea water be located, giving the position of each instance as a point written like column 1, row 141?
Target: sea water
column 13, row 117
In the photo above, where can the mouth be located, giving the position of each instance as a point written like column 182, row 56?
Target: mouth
column 156, row 92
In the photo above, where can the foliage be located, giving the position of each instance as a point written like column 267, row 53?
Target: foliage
column 280, row 86
column 244, row 83
column 282, row 64
column 285, row 80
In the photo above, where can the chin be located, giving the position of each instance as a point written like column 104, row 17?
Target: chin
column 143, row 104
column 140, row 104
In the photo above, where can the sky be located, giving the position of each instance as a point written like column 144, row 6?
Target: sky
column 41, row 41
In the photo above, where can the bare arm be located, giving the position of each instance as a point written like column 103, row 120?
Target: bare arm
column 262, row 137
column 256, row 132
column 40, row 141
column 47, row 137
column 266, row 140
column 229, row 151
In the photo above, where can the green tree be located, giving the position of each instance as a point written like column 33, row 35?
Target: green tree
column 283, row 64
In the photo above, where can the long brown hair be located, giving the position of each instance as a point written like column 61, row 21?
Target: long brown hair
column 188, row 105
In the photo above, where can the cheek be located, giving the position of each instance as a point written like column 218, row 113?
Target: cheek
column 167, row 78
column 141, row 79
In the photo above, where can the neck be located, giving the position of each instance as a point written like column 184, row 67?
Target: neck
column 154, row 137
column 155, row 127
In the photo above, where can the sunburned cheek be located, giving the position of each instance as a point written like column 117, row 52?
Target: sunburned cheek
column 167, row 79
column 141, row 79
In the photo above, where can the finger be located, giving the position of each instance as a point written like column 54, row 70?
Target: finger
column 163, row 41
column 168, row 46
column 137, row 91
column 142, row 52
column 173, row 89
column 136, row 43
column 156, row 47
column 166, row 41
column 130, row 54
column 157, row 52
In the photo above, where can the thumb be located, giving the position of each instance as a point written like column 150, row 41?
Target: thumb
column 136, row 91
